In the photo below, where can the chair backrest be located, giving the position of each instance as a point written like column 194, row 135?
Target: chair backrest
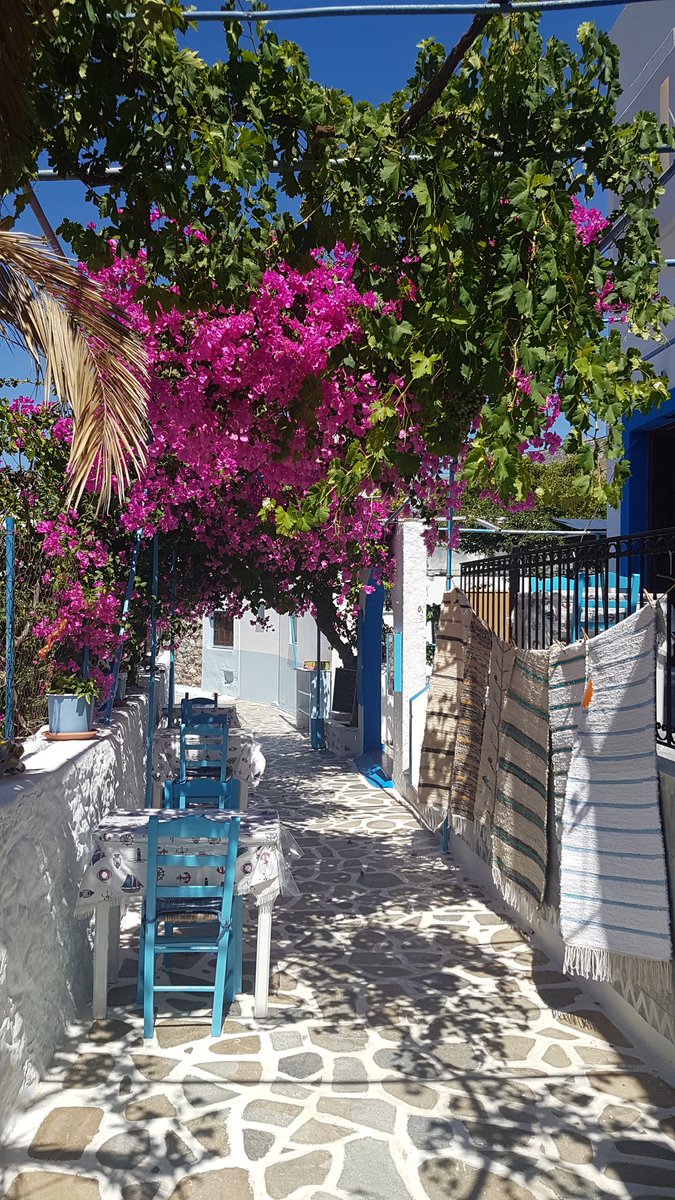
column 206, row 750
column 213, row 716
column 179, row 793
column 189, row 708
column 220, row 860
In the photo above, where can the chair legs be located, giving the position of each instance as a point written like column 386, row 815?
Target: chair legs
column 149, row 981
column 219, row 989
column 228, row 978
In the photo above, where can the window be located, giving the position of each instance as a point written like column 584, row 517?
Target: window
column 223, row 629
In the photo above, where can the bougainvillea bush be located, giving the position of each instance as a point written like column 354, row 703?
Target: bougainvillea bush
column 251, row 408
column 67, row 570
column 300, row 397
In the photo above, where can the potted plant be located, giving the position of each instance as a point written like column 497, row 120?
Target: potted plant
column 70, row 704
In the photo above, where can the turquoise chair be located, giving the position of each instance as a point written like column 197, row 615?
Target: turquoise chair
column 191, row 709
column 206, row 752
column 186, row 792
column 204, row 905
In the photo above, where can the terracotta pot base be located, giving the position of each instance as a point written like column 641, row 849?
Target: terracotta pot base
column 72, row 737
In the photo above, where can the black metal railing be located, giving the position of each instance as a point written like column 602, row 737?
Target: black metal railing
column 555, row 592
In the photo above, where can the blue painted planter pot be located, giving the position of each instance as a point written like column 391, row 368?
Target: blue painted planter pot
column 69, row 713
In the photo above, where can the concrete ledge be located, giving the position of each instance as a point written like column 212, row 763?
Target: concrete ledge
column 46, row 820
column 345, row 741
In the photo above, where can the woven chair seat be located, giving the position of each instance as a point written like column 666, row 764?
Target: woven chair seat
column 189, row 910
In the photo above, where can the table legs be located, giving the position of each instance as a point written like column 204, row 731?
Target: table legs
column 106, row 957
column 114, row 945
column 101, row 950
column 262, row 958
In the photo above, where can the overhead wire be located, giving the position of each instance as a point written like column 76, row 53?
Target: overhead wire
column 508, row 7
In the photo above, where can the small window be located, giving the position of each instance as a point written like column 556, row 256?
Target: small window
column 223, row 629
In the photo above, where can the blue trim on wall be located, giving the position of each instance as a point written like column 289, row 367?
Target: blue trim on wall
column 398, row 660
column 369, row 677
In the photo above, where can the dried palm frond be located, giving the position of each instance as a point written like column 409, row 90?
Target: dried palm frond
column 92, row 360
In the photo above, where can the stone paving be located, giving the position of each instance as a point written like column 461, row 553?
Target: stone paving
column 416, row 1048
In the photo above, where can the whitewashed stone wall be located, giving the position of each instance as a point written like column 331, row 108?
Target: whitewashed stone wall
column 46, row 819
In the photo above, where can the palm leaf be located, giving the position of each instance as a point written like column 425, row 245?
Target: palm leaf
column 93, row 361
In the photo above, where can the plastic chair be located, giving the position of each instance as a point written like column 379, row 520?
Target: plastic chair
column 183, row 793
column 206, row 753
column 188, row 903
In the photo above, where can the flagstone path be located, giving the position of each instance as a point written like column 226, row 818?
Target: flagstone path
column 416, row 1048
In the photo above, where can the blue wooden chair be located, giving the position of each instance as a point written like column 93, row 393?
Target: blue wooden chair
column 190, row 709
column 204, row 905
column 205, row 753
column 187, row 792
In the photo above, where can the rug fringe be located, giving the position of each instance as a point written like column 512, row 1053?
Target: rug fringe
column 649, row 974
column 464, row 828
column 431, row 817
column 516, row 897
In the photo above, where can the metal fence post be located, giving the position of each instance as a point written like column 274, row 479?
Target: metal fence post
column 172, row 646
column 125, row 609
column 153, row 666
column 9, row 628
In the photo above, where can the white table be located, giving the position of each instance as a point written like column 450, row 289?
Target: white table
column 116, row 876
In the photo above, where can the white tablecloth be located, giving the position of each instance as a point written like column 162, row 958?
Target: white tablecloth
column 116, row 873
column 246, row 761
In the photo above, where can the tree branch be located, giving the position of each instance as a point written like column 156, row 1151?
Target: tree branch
column 444, row 74
column 329, row 623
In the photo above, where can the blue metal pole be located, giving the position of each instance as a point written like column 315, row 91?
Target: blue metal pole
column 153, row 665
column 9, row 629
column 448, row 586
column 125, row 609
column 317, row 730
column 172, row 646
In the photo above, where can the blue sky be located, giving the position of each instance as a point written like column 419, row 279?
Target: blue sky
column 368, row 57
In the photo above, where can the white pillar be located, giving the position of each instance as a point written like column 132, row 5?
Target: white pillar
column 409, row 601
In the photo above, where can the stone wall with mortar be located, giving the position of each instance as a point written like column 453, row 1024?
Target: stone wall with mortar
column 46, row 820
column 189, row 657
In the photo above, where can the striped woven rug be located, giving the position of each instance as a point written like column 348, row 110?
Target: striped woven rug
column 519, row 842
column 567, row 680
column 470, row 728
column 614, row 909
column 502, row 658
column 440, row 730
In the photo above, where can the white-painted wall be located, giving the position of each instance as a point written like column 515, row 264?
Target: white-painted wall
column 260, row 667
column 409, row 607
column 47, row 816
